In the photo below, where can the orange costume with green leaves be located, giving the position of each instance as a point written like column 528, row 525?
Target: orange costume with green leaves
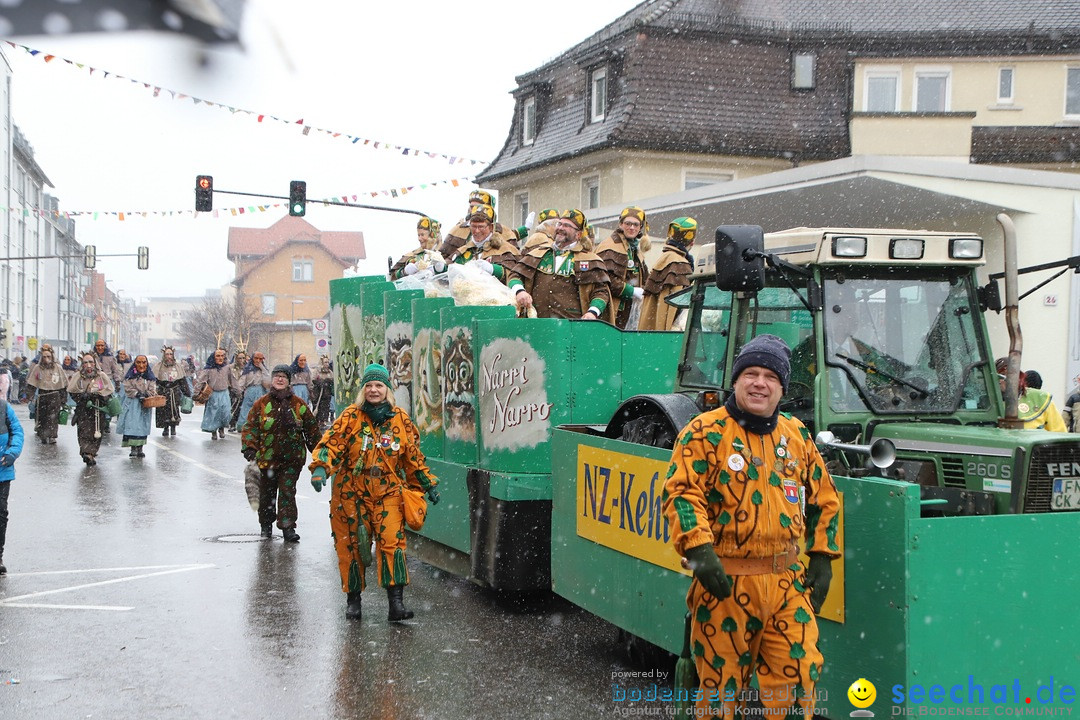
column 752, row 495
column 368, row 464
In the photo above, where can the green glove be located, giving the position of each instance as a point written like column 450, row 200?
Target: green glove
column 433, row 496
column 817, row 579
column 708, row 570
column 318, row 478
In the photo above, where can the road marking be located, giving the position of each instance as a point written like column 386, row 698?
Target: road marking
column 118, row 608
column 177, row 569
column 95, row 570
column 194, row 462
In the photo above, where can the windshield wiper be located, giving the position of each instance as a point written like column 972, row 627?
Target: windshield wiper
column 870, row 369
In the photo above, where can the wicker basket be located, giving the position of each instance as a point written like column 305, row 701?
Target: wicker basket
column 154, row 401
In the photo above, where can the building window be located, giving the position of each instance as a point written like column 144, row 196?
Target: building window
column 1005, row 86
column 931, row 90
column 521, row 207
column 1072, row 92
column 590, row 192
column 597, row 94
column 302, row 271
column 882, row 91
column 803, row 76
column 700, row 178
column 528, row 121
column 269, row 304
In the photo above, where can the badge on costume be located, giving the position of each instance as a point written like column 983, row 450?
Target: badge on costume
column 791, row 491
column 736, row 462
column 395, row 446
column 583, row 266
column 367, row 442
column 781, row 451
column 1023, row 407
column 384, row 441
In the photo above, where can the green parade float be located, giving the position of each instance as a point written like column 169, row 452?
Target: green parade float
column 551, row 439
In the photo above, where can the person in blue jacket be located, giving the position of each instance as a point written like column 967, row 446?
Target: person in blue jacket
column 11, row 442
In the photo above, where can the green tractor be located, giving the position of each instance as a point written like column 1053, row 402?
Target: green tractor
column 950, row 517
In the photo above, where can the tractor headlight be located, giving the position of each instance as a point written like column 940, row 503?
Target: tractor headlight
column 965, row 248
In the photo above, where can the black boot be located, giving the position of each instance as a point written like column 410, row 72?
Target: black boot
column 267, row 530
column 352, row 609
column 141, row 453
column 134, row 452
column 165, row 432
column 397, row 606
column 3, row 571
column 172, row 430
column 290, row 535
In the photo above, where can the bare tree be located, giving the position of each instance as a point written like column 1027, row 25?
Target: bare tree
column 218, row 322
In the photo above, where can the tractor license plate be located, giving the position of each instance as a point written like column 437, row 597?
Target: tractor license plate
column 1065, row 494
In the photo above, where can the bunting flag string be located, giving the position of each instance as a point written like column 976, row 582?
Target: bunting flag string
column 157, row 92
column 229, row 211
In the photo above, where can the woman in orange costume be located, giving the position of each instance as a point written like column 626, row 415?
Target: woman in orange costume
column 372, row 451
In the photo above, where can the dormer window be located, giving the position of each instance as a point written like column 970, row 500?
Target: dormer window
column 803, row 75
column 597, row 94
column 528, row 120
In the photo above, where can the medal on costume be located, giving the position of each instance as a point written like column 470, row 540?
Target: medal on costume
column 736, row 462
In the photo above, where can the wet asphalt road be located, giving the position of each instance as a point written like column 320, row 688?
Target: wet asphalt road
column 140, row 589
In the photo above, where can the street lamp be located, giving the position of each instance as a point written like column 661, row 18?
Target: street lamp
column 292, row 327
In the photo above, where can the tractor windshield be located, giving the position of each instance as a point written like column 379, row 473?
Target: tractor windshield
column 901, row 341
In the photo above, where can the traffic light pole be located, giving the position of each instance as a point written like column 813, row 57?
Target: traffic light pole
column 64, row 257
column 322, row 202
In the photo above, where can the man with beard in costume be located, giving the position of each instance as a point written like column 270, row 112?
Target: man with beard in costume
column 563, row 278
column 279, row 431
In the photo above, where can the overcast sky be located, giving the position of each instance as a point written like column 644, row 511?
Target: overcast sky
column 422, row 74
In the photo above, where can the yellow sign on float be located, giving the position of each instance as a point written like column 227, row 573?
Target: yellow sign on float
column 619, row 505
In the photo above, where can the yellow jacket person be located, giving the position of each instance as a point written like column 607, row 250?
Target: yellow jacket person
column 745, row 483
column 371, row 452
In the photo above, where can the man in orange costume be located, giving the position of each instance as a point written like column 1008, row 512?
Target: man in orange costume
column 745, row 483
column 372, row 451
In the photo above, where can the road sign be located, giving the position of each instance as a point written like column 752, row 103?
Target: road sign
column 322, row 344
column 320, row 327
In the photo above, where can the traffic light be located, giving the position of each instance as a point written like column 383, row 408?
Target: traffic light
column 90, row 257
column 204, row 193
column 297, row 198
column 3, row 335
column 144, row 257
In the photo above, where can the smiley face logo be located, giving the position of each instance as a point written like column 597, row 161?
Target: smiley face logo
column 862, row 693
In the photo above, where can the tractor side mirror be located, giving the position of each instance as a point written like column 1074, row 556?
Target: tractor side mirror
column 740, row 258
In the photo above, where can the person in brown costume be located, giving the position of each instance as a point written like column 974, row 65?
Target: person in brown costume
column 563, row 278
column 492, row 253
column 51, row 383
column 622, row 253
column 670, row 274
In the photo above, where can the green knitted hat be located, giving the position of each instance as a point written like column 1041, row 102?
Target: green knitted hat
column 375, row 371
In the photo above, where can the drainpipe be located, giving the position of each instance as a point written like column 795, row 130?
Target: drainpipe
column 1012, row 322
